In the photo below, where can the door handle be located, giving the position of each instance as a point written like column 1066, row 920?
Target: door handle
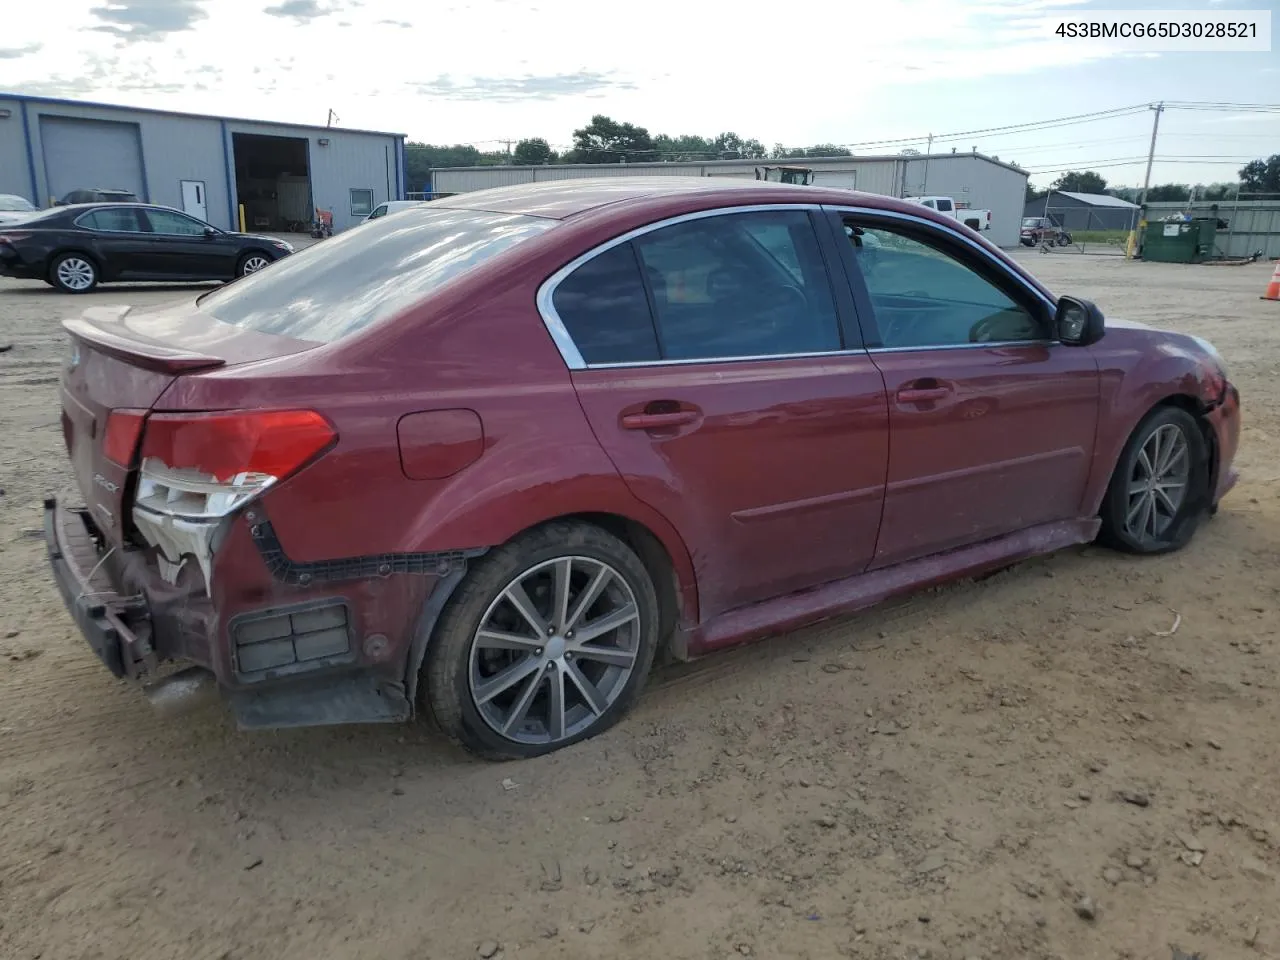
column 658, row 421
column 921, row 394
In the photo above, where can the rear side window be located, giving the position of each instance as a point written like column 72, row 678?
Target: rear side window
column 740, row 285
column 714, row 288
column 345, row 283
column 944, row 206
column 603, row 306
column 117, row 220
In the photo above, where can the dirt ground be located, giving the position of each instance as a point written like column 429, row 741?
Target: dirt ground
column 944, row 778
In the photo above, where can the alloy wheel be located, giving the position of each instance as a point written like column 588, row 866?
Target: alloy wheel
column 554, row 650
column 1158, row 483
column 254, row 264
column 76, row 273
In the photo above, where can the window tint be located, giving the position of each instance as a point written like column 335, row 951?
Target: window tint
column 379, row 211
column 361, row 276
column 175, row 224
column 603, row 306
column 117, row 219
column 924, row 297
column 944, row 206
column 361, row 202
column 739, row 285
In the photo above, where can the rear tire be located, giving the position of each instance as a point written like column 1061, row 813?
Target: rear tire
column 1160, row 489
column 73, row 273
column 510, row 683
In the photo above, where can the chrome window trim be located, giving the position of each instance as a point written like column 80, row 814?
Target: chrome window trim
column 182, row 214
column 981, row 345
column 951, row 232
column 573, row 357
column 560, row 333
column 89, row 213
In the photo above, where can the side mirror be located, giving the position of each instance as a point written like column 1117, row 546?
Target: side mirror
column 210, row 232
column 1078, row 323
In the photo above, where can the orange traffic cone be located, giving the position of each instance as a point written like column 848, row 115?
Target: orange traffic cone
column 1273, row 288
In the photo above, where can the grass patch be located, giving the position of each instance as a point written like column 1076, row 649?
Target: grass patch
column 1099, row 236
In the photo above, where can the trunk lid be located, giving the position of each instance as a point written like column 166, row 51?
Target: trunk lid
column 123, row 359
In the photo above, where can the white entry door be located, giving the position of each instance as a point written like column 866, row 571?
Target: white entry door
column 193, row 199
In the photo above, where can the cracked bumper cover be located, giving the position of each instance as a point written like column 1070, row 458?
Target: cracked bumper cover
column 135, row 620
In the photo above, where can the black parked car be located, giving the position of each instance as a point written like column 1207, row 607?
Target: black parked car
column 77, row 247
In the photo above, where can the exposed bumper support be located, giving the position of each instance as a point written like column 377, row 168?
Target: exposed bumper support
column 117, row 628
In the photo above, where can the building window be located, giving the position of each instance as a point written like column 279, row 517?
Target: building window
column 361, row 202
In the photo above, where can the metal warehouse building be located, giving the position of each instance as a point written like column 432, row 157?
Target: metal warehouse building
column 210, row 167
column 982, row 181
column 1084, row 211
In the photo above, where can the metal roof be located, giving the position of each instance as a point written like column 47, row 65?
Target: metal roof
column 759, row 161
column 1097, row 199
column 57, row 101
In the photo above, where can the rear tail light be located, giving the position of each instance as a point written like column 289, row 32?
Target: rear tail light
column 204, row 465
column 123, row 429
column 199, row 467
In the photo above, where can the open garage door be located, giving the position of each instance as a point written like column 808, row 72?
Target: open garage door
column 273, row 182
column 91, row 154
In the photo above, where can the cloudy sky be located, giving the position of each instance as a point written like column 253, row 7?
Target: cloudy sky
column 839, row 71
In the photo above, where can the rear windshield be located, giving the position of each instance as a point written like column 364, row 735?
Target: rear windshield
column 340, row 285
column 12, row 204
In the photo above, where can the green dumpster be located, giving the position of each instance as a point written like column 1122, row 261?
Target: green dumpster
column 1180, row 241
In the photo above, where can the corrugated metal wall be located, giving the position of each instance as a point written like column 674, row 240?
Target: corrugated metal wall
column 349, row 161
column 15, row 175
column 177, row 147
column 1252, row 225
column 964, row 176
column 973, row 179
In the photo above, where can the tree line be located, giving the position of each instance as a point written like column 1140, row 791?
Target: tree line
column 1257, row 176
column 605, row 140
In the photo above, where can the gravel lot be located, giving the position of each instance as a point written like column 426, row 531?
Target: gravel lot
column 947, row 777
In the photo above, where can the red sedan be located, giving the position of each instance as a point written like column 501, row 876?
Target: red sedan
column 487, row 458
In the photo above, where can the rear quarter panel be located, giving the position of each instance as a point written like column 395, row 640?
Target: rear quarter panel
column 479, row 345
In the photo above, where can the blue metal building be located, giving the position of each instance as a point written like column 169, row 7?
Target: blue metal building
column 212, row 167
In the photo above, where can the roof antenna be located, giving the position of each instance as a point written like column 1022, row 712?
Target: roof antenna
column 332, row 117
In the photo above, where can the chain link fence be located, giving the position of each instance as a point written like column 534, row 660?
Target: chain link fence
column 1248, row 226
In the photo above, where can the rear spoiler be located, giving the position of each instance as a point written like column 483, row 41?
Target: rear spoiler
column 146, row 353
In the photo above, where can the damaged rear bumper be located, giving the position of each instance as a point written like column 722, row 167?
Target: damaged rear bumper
column 117, row 628
column 135, row 622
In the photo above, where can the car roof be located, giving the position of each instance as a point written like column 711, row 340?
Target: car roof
column 561, row 199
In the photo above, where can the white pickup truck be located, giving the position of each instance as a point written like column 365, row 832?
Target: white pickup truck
column 974, row 219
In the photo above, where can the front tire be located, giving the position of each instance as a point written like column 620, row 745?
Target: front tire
column 251, row 263
column 547, row 642
column 73, row 273
column 1160, row 489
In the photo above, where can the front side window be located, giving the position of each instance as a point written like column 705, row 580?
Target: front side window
column 173, row 224
column 113, row 220
column 944, row 205
column 361, row 276
column 361, row 202
column 925, row 297
column 382, row 209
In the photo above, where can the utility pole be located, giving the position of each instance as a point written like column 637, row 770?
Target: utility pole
column 1146, row 181
column 332, row 117
column 924, row 187
column 507, row 144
